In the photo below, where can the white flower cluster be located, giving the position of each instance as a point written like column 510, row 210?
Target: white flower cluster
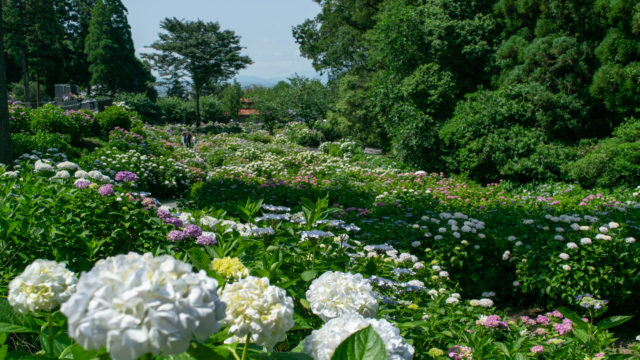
column 255, row 308
column 42, row 286
column 41, row 166
column 315, row 234
column 485, row 303
column 136, row 304
column 335, row 293
column 322, row 343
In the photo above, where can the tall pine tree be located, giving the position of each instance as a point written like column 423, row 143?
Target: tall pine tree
column 110, row 52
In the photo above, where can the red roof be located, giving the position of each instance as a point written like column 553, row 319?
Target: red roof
column 247, row 112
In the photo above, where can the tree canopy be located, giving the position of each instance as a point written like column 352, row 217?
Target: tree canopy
column 110, row 51
column 198, row 50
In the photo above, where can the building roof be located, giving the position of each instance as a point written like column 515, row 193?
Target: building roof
column 248, row 112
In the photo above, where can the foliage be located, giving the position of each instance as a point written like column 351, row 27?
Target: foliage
column 111, row 54
column 176, row 110
column 303, row 135
column 112, row 117
column 53, row 119
column 144, row 106
column 24, row 143
column 613, row 161
column 230, row 99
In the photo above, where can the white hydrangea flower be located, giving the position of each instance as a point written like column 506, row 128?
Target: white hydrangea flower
column 10, row 174
column 136, row 304
column 630, row 240
column 452, row 300
column 81, row 174
column 42, row 286
column 209, row 221
column 564, row 256
column 572, row 245
column 315, row 234
column 335, row 293
column 62, row 174
column 485, row 303
column 95, row 175
column 566, row 267
column 506, row 255
column 585, row 241
column 255, row 308
column 67, row 165
column 322, row 343
column 41, row 166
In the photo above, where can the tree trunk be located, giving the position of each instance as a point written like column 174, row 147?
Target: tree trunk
column 25, row 69
column 25, row 79
column 197, row 106
column 37, row 89
column 5, row 138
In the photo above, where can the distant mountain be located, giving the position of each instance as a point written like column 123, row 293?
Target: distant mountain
column 255, row 80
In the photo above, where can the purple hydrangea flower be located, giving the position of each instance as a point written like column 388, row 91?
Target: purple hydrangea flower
column 538, row 349
column 82, row 184
column 127, row 176
column 192, row 230
column 173, row 221
column 106, row 190
column 542, row 320
column 458, row 352
column 163, row 214
column 175, row 235
column 563, row 328
column 206, row 240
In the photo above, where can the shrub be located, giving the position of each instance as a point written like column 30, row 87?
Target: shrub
column 41, row 141
column 112, row 117
column 175, row 110
column 141, row 104
column 303, row 135
column 613, row 161
column 211, row 110
column 53, row 119
column 85, row 121
column 18, row 118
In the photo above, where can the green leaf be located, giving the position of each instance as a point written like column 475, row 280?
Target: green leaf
column 613, row 321
column 13, row 322
column 365, row 344
column 305, row 304
column 199, row 258
column 309, row 275
column 13, row 328
column 582, row 334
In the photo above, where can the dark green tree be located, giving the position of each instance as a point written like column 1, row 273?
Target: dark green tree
column 110, row 51
column 334, row 39
column 199, row 50
column 15, row 18
column 45, row 45
column 5, row 138
column 617, row 81
column 75, row 17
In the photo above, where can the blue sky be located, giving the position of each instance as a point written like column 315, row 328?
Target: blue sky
column 264, row 27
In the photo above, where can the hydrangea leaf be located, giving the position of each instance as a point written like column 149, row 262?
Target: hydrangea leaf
column 365, row 344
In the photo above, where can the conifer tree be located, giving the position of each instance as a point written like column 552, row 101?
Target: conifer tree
column 110, row 52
